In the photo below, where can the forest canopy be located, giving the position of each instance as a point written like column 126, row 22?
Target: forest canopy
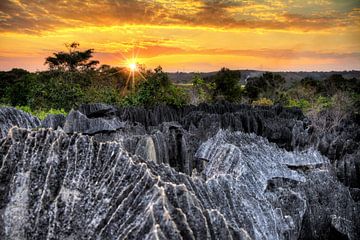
column 74, row 77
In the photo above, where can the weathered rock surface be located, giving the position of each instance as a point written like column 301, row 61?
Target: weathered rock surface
column 10, row 117
column 53, row 121
column 342, row 146
column 97, row 110
column 299, row 191
column 59, row 186
column 288, row 128
column 76, row 122
column 167, row 173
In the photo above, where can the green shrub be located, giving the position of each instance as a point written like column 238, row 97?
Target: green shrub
column 263, row 102
column 41, row 114
column 269, row 85
column 303, row 104
column 324, row 102
column 156, row 89
column 204, row 90
column 108, row 95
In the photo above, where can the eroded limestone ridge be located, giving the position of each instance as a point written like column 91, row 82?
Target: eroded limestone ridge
column 220, row 171
column 10, row 117
column 59, row 186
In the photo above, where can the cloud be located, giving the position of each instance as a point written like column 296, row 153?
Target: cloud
column 33, row 16
column 150, row 51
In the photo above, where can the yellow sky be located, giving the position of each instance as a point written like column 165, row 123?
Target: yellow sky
column 184, row 35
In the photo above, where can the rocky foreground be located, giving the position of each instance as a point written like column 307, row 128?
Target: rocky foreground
column 209, row 172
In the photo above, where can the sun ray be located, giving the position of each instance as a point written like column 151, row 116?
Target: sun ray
column 132, row 65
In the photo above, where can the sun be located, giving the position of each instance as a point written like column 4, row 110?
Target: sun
column 132, row 66
column 135, row 70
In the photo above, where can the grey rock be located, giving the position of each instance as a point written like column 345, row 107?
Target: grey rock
column 10, row 117
column 59, row 186
column 78, row 122
column 288, row 128
column 126, row 173
column 53, row 121
column 296, row 192
column 97, row 110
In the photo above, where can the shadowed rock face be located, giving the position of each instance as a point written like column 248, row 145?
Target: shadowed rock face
column 166, row 173
column 192, row 125
column 57, row 186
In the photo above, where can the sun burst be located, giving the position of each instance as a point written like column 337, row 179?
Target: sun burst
column 132, row 66
column 134, row 69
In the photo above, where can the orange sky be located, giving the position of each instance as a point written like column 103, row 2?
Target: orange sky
column 184, row 35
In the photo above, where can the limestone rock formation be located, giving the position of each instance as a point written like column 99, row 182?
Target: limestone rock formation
column 10, row 117
column 53, row 121
column 299, row 191
column 221, row 171
column 78, row 122
column 288, row 128
column 97, row 110
column 81, row 188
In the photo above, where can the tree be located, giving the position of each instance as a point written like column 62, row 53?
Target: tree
column 269, row 85
column 9, row 81
column 203, row 90
column 72, row 60
column 310, row 82
column 227, row 85
column 157, row 89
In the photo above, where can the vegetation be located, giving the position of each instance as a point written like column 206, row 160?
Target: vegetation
column 263, row 102
column 73, row 78
column 41, row 114
column 72, row 60
column 269, row 86
column 335, row 97
column 156, row 89
column 204, row 90
column 225, row 85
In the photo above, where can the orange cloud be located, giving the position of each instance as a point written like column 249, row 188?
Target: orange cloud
column 196, row 34
column 34, row 16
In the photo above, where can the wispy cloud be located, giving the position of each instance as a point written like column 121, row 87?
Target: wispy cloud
column 191, row 33
column 34, row 16
column 149, row 50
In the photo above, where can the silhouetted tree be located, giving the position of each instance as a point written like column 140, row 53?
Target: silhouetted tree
column 269, row 85
column 227, row 85
column 72, row 60
column 8, row 80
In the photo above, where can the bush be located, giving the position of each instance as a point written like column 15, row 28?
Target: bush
column 204, row 91
column 41, row 114
column 328, row 113
column 324, row 102
column 303, row 104
column 263, row 102
column 108, row 95
column 156, row 89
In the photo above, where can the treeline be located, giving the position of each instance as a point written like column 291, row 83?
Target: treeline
column 74, row 78
column 327, row 102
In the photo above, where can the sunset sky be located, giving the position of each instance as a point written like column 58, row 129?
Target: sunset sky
column 184, row 35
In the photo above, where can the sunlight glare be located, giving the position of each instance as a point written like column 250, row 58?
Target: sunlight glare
column 132, row 66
